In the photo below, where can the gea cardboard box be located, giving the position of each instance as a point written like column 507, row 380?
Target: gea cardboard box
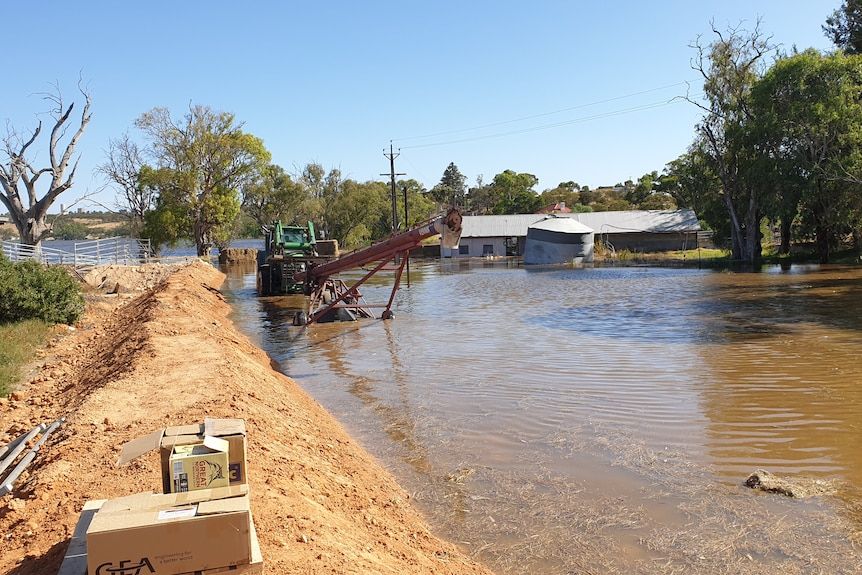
column 199, row 466
column 204, row 530
column 231, row 430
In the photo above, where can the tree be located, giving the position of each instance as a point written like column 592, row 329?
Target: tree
column 809, row 116
column 356, row 210
column 122, row 167
column 452, row 187
column 730, row 66
column 564, row 192
column 637, row 193
column 514, row 193
column 273, row 195
column 324, row 190
column 17, row 174
column 419, row 206
column 201, row 161
column 692, row 183
column 844, row 27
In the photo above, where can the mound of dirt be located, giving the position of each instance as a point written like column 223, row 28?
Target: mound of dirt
column 231, row 255
column 123, row 278
column 170, row 356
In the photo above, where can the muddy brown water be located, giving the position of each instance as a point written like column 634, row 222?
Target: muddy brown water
column 603, row 420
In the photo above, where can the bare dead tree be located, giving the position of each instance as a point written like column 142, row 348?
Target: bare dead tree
column 122, row 168
column 19, row 180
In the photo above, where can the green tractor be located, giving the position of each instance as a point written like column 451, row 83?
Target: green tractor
column 287, row 250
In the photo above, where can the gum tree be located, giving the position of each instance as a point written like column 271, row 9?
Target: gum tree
column 21, row 182
column 199, row 164
column 730, row 66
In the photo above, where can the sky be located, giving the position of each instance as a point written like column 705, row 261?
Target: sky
column 565, row 90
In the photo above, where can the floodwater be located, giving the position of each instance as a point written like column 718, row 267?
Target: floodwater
column 603, row 420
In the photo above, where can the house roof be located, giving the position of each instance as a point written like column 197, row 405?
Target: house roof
column 559, row 207
column 653, row 221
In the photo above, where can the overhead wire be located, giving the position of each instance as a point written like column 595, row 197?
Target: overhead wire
column 552, row 125
column 543, row 114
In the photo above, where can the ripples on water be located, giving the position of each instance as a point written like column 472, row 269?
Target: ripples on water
column 564, row 420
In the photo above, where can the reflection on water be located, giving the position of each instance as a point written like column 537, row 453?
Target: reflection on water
column 602, row 420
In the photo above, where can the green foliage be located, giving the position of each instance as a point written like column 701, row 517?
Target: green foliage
column 844, row 27
column 564, row 192
column 356, row 211
column 18, row 341
column 272, row 195
column 808, row 133
column 658, row 201
column 33, row 291
column 452, row 187
column 420, row 207
column 201, row 162
column 514, row 193
column 66, row 229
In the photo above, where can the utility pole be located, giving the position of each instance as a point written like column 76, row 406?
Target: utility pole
column 391, row 157
column 407, row 225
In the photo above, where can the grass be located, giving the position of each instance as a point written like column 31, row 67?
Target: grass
column 704, row 255
column 18, row 341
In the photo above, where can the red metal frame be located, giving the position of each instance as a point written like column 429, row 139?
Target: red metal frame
column 318, row 278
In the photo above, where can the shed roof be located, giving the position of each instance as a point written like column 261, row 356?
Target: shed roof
column 652, row 221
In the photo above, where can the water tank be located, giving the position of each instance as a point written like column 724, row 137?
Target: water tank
column 558, row 240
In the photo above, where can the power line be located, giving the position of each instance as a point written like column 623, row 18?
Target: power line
column 549, row 126
column 543, row 114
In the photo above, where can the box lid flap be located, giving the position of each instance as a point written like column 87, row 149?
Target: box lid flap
column 126, row 503
column 190, row 429
column 139, row 446
column 158, row 501
column 216, row 443
column 230, row 505
column 174, row 440
column 220, row 427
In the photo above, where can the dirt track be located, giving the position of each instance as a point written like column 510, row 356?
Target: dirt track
column 170, row 356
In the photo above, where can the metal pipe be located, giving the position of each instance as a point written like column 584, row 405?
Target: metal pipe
column 19, row 447
column 28, row 459
column 11, row 445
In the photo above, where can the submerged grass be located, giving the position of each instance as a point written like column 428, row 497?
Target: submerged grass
column 18, row 341
column 533, row 517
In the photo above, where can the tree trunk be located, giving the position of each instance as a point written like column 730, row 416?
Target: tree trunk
column 822, row 231
column 202, row 241
column 786, row 222
column 32, row 229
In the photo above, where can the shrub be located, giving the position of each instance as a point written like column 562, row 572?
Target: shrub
column 29, row 290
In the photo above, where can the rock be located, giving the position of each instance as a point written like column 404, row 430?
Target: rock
column 798, row 488
column 16, row 396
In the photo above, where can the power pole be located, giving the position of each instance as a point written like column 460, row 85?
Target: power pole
column 391, row 157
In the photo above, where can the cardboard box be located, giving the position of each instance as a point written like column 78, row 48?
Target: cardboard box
column 207, row 530
column 231, row 430
column 199, row 466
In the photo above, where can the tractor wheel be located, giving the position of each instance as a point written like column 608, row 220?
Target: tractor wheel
column 263, row 281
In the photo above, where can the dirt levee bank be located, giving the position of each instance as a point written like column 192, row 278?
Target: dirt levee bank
column 321, row 503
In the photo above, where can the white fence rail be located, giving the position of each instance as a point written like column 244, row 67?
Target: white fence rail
column 86, row 254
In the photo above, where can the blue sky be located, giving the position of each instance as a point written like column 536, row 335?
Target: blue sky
column 333, row 82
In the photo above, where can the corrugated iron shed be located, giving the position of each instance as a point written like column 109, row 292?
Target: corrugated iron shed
column 651, row 221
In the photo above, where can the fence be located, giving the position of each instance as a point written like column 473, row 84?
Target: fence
column 84, row 255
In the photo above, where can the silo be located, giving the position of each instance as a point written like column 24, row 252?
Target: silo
column 557, row 240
